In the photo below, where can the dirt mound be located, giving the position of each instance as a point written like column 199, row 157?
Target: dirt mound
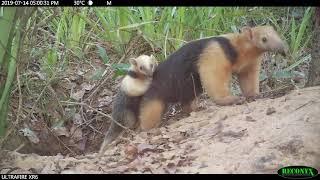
column 258, row 137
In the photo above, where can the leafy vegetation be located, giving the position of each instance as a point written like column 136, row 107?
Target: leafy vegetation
column 11, row 36
column 78, row 30
column 168, row 28
column 5, row 41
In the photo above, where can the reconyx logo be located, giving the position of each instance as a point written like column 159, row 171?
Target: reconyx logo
column 297, row 172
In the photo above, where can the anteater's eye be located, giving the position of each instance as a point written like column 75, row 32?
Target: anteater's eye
column 264, row 39
column 141, row 68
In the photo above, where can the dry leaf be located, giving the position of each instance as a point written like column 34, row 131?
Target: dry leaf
column 87, row 86
column 106, row 92
column 30, row 135
column 77, row 119
column 159, row 141
column 76, row 133
column 171, row 168
column 78, row 95
column 131, row 151
column 250, row 119
column 142, row 148
column 105, row 101
column 61, row 131
column 270, row 110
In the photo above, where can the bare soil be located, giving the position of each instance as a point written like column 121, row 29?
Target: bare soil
column 258, row 137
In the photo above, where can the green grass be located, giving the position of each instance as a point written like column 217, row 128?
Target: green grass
column 7, row 61
column 12, row 24
column 168, row 28
column 296, row 38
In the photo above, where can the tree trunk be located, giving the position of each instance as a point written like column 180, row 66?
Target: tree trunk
column 314, row 69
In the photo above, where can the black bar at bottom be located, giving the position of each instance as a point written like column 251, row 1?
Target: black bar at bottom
column 141, row 176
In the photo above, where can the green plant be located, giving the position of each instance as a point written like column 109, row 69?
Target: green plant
column 298, row 33
column 12, row 23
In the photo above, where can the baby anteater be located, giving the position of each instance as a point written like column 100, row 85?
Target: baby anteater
column 125, row 108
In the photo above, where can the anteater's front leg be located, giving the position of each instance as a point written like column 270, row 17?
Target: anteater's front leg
column 249, row 80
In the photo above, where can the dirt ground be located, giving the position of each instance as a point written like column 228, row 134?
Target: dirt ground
column 257, row 137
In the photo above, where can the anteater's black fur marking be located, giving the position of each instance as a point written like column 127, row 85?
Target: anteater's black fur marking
column 228, row 49
column 175, row 79
column 132, row 74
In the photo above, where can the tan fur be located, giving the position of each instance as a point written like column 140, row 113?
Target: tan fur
column 135, row 86
column 150, row 114
column 249, row 79
column 145, row 62
column 216, row 70
column 138, row 86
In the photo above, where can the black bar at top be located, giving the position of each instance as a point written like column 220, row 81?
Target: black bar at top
column 215, row 2
column 170, row 3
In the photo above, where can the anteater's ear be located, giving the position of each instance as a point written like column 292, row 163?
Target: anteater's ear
column 133, row 61
column 247, row 31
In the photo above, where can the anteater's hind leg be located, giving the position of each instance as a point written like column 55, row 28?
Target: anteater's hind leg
column 151, row 113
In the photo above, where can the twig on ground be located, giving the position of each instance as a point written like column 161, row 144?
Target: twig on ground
column 57, row 99
column 98, row 87
column 18, row 148
column 99, row 112
column 307, row 103
column 20, row 98
column 94, row 129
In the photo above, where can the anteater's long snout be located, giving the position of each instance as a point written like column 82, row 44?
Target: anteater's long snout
column 281, row 47
column 278, row 46
column 276, row 43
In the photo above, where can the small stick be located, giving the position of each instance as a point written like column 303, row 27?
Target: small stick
column 99, row 112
